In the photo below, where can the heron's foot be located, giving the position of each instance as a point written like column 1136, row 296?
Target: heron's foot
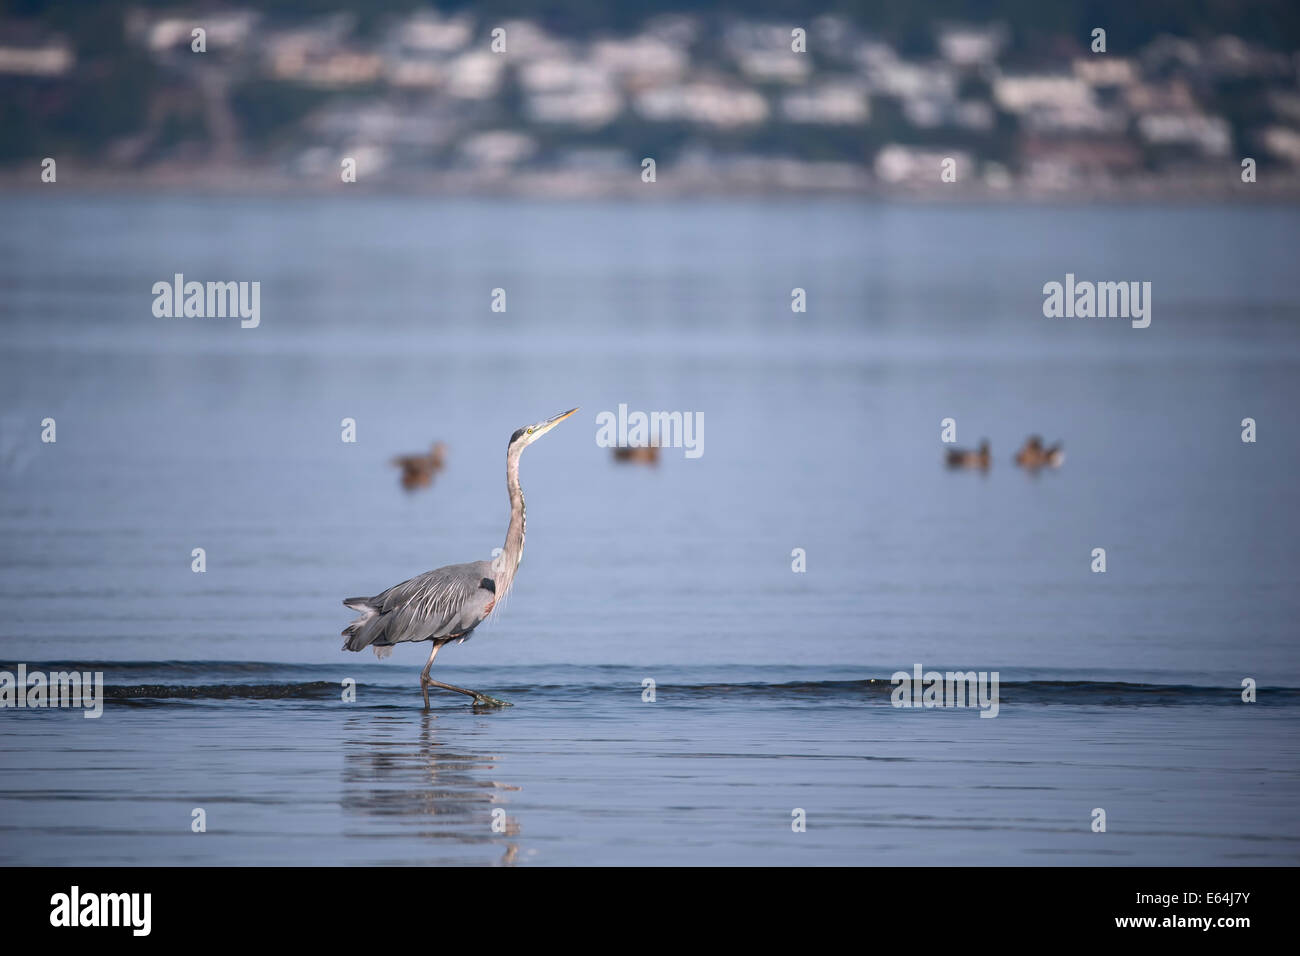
column 483, row 700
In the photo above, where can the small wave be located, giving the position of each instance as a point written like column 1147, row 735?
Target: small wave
column 307, row 690
column 1073, row 692
column 175, row 667
column 160, row 681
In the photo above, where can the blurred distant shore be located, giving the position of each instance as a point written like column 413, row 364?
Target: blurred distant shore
column 754, row 180
column 409, row 99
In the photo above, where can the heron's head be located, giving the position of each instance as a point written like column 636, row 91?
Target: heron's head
column 525, row 436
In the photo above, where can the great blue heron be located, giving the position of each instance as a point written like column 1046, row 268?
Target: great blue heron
column 447, row 604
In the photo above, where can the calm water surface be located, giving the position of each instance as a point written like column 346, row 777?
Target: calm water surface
column 1120, row 690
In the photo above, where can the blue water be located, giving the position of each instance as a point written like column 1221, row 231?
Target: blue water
column 1119, row 690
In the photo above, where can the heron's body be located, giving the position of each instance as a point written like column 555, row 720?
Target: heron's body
column 447, row 604
column 442, row 605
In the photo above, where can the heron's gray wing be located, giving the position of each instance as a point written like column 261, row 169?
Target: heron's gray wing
column 441, row 603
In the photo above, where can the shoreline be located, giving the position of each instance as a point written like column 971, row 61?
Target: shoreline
column 775, row 183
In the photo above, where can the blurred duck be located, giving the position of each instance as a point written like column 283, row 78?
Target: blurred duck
column 961, row 458
column 1033, row 455
column 418, row 470
column 638, row 454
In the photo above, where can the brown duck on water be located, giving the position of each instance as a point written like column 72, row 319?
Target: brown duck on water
column 962, row 458
column 640, row 454
column 1033, row 455
column 418, row 470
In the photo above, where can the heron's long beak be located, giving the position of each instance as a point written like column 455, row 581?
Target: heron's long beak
column 552, row 422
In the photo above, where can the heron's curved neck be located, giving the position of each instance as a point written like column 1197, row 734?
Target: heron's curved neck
column 513, row 552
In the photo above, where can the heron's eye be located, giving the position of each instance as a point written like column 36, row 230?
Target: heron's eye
column 530, row 431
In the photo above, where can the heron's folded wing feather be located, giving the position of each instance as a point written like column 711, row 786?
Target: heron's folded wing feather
column 433, row 603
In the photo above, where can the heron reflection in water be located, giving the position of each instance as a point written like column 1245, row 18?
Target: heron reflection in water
column 435, row 787
column 447, row 604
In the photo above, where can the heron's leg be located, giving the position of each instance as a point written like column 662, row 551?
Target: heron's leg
column 480, row 700
column 424, row 674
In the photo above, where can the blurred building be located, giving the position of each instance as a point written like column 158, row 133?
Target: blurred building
column 426, row 100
